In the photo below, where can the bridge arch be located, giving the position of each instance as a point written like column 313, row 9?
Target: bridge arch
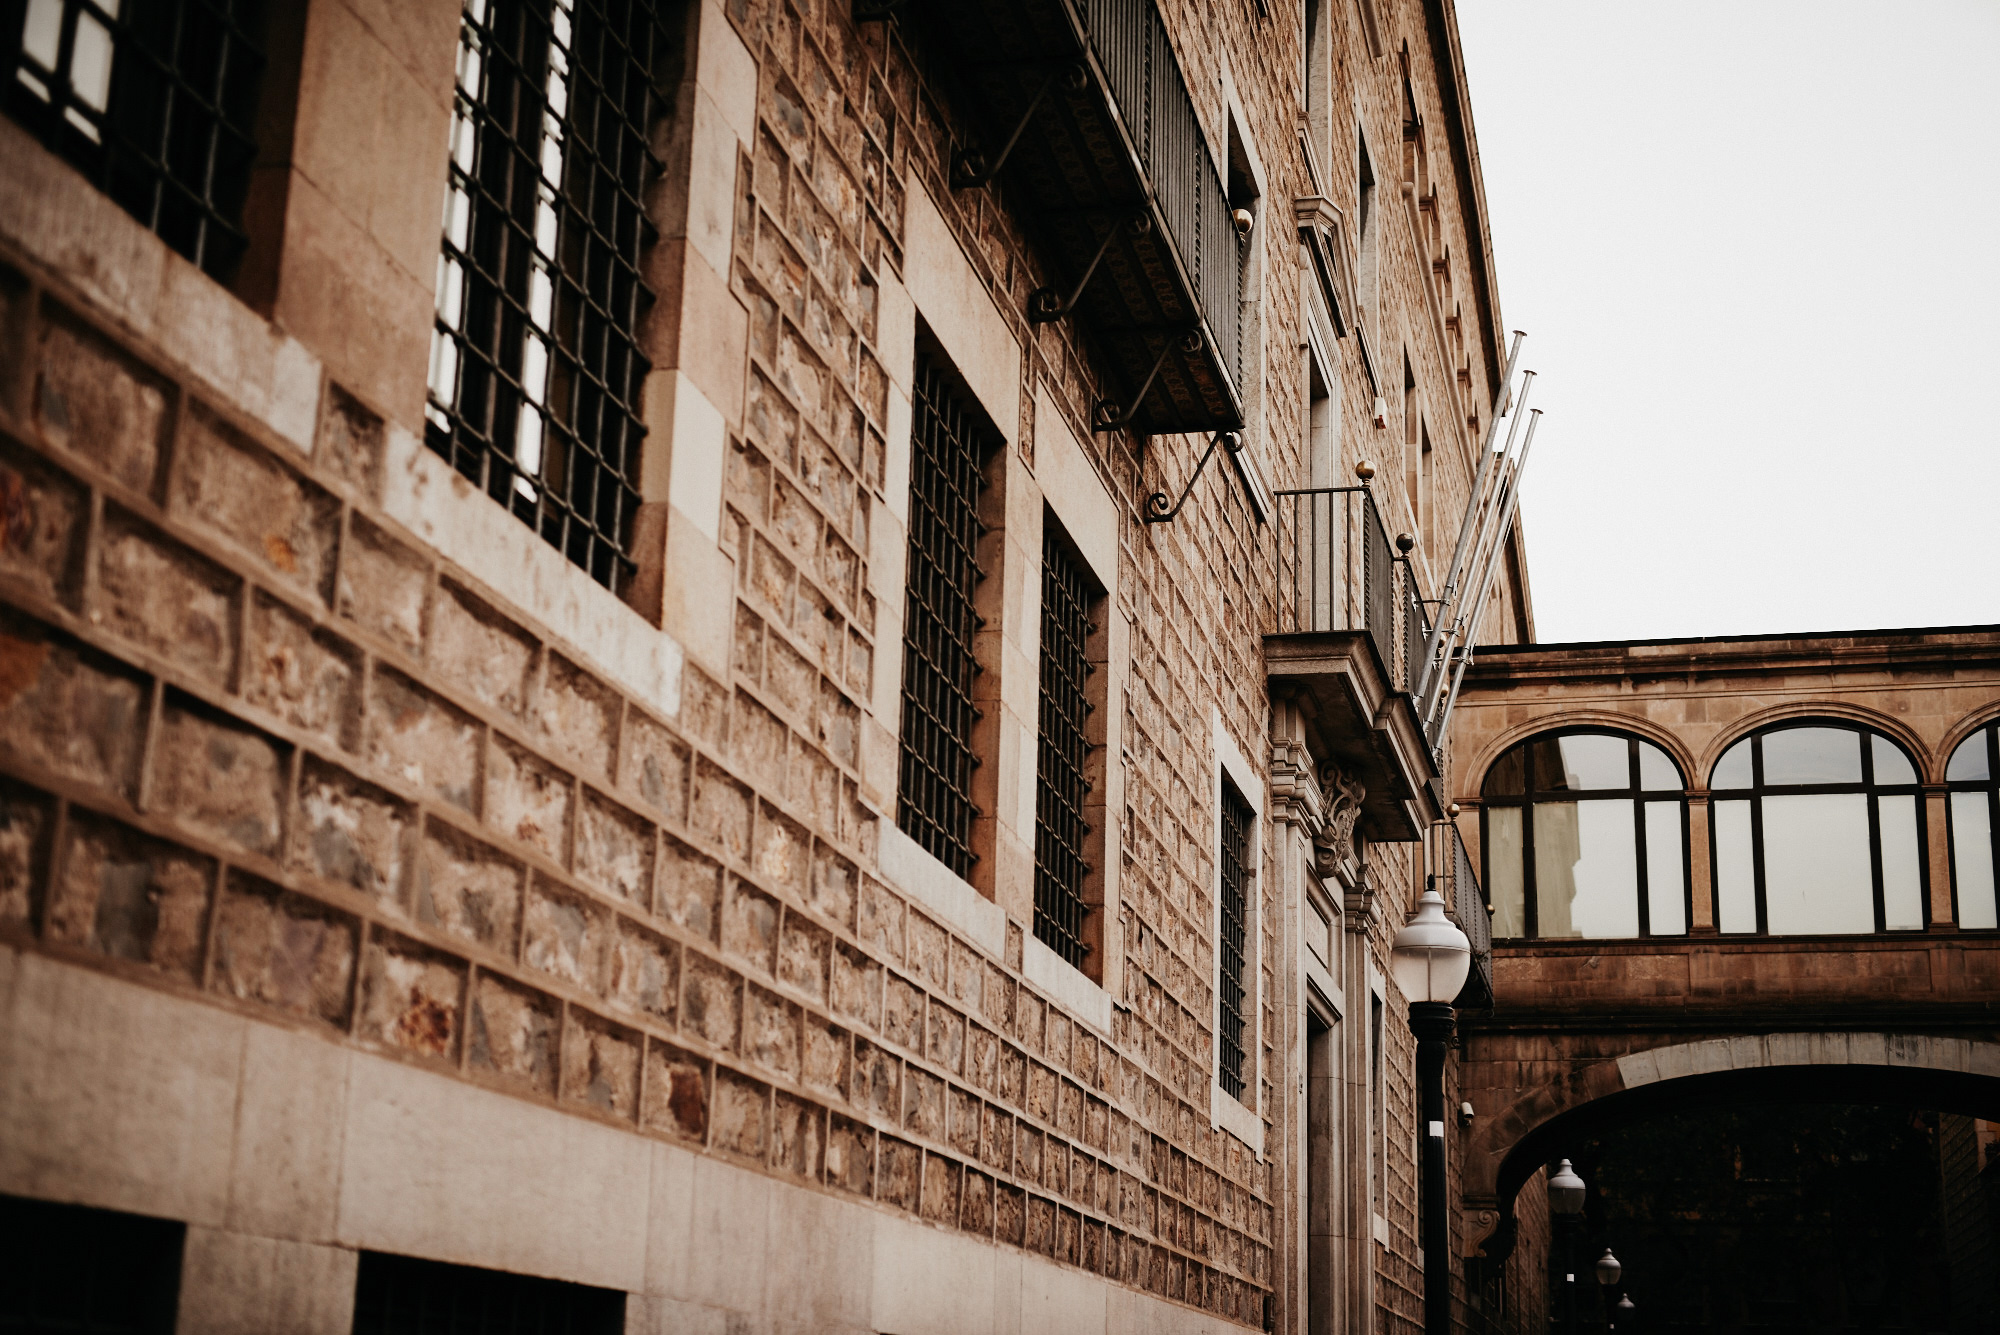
column 1510, row 1144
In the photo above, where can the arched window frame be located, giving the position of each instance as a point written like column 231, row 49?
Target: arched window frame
column 1639, row 797
column 1759, row 790
column 1988, row 736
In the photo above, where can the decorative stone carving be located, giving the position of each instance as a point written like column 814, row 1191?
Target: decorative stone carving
column 1334, row 844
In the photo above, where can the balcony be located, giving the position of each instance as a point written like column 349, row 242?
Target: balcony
column 1085, row 116
column 1466, row 905
column 1349, row 635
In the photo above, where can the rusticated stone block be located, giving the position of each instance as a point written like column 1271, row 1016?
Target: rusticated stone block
column 527, row 799
column 880, row 920
column 225, row 484
column 383, row 585
column 923, row 1103
column 614, row 851
column 600, row 1065
column 655, row 765
column 578, row 714
column 784, row 852
column 711, row 1002
column 850, row 1156
column 798, row 1136
column 812, row 784
column 307, row 677
column 996, row 1138
column 1028, row 1144
column 468, row 889
column 898, row 1166
column 721, row 811
column 941, row 1183
column 930, row 951
column 677, row 1093
column 566, row 936
column 643, row 973
column 284, row 950
column 802, row 956
column 704, row 707
column 877, row 1082
column 793, row 682
column 158, row 594
column 750, row 925
column 512, row 1033
column 422, row 740
column 833, row 886
column 42, row 513
column 132, row 897
column 839, row 721
column 962, row 1113
column 479, row 650
column 945, row 1037
column 1009, row 1214
column 411, row 997
column 68, row 710
column 759, row 739
column 982, row 1058
column 742, row 1116
column 771, row 1032
column 690, row 889
column 975, row 1214
column 856, row 985
column 352, row 832
column 823, row 1064
column 902, row 1013
column 24, row 825
column 746, row 652
column 219, row 777
column 349, row 442
column 93, row 400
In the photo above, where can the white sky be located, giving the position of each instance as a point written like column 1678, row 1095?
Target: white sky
column 1756, row 249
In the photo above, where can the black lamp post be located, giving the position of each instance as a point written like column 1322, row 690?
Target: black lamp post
column 1429, row 961
column 1608, row 1271
column 1566, row 1205
column 1623, row 1310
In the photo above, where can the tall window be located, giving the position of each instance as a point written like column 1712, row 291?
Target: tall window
column 1233, row 875
column 949, row 441
column 1974, row 776
column 1818, row 829
column 153, row 100
column 1584, row 838
column 1062, row 783
column 535, row 373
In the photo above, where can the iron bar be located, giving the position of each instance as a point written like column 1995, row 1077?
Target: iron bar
column 1045, row 304
column 1062, row 785
column 1236, row 817
column 1109, row 416
column 1486, row 586
column 970, row 169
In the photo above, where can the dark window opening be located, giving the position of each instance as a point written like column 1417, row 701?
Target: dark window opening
column 155, row 101
column 536, row 375
column 87, row 1272
column 1062, row 782
column 1234, row 885
column 401, row 1295
column 949, row 442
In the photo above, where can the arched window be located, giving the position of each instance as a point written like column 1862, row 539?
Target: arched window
column 1974, row 776
column 1585, row 837
column 1818, row 830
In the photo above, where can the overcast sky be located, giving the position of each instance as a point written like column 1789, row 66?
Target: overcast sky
column 1756, row 249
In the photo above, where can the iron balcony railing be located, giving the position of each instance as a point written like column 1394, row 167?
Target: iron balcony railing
column 1468, row 909
column 1338, row 572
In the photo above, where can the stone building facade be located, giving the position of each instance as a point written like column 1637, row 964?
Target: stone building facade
column 386, row 876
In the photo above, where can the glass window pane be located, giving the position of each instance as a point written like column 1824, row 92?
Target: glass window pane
column 1591, row 760
column 1733, row 770
column 1506, row 779
column 1892, row 767
column 1902, row 871
column 1586, row 869
column 1811, row 755
column 1503, row 871
column 1657, row 772
column 1972, row 859
column 1666, row 880
column 1735, row 878
column 1818, row 876
column 1969, row 763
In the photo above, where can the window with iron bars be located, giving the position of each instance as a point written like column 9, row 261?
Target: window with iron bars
column 403, row 1295
column 950, row 440
column 154, row 101
column 1235, row 891
column 535, row 373
column 1062, row 785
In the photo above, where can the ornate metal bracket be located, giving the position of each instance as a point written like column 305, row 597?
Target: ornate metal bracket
column 1046, row 304
column 1109, row 416
column 1157, row 509
column 970, row 168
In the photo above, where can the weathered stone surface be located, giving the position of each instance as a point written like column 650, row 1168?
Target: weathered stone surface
column 600, row 1066
column 720, row 812
column 712, row 1002
column 798, row 1135
column 578, row 714
column 92, row 399
column 422, row 740
column 771, row 1031
column 614, row 851
column 352, row 832
column 286, row 524
column 479, row 650
column 383, row 585
column 643, row 973
column 167, row 599
column 349, row 442
column 655, row 765
column 856, row 985
column 850, row 1156
column 24, row 825
column 690, row 889
column 132, row 897
column 219, row 777
column 411, row 997
column 512, row 1033
column 742, row 1116
column 750, row 926
column 309, row 678
column 802, row 956
column 783, row 853
column 68, row 711
column 468, row 889
column 284, row 950
column 527, row 799
column 676, row 1093
column 42, row 514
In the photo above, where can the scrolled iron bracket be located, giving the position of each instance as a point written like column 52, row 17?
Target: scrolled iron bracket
column 1046, row 304
column 1109, row 416
column 970, row 167
column 1157, row 509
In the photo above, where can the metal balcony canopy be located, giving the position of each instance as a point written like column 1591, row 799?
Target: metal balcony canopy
column 1103, row 152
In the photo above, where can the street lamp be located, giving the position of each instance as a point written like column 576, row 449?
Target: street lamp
column 1429, row 960
column 1608, row 1271
column 1623, row 1310
column 1566, row 1204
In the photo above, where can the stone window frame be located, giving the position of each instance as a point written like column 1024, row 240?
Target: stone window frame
column 1243, row 1118
column 1986, row 734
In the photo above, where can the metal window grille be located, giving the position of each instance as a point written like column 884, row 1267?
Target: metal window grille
column 1235, row 875
column 81, row 1271
column 401, row 1295
column 934, row 797
column 154, row 101
column 1061, row 788
column 535, row 371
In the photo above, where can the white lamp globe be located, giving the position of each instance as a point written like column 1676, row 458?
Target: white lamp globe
column 1430, row 956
